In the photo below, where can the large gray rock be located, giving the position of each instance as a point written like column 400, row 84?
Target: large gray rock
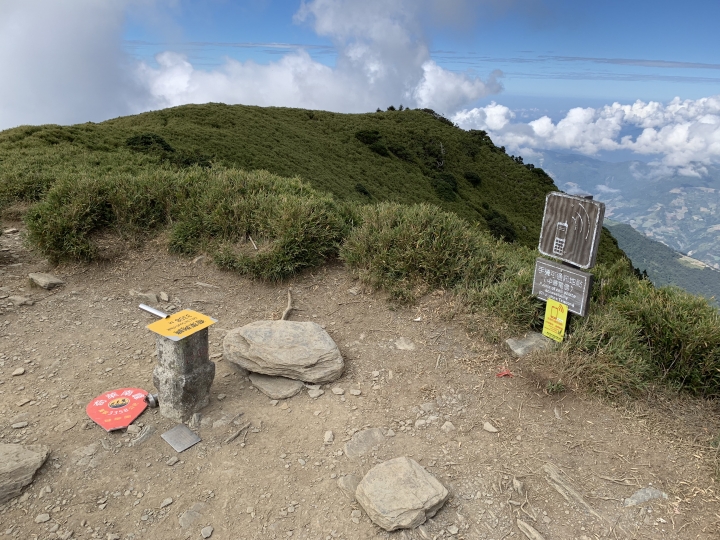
column 533, row 341
column 296, row 350
column 18, row 464
column 400, row 494
column 46, row 281
column 363, row 442
column 276, row 387
column 183, row 375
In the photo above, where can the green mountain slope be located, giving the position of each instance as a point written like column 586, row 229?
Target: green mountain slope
column 408, row 156
column 665, row 266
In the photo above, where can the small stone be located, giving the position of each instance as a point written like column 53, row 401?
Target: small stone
column 348, row 484
column 133, row 429
column 487, row 426
column 276, row 387
column 375, row 374
column 46, row 281
column 389, row 433
column 420, row 423
column 452, row 529
column 533, row 341
column 329, row 437
column 18, row 464
column 164, row 296
column 20, row 425
column 338, row 391
column 166, row 502
column 19, row 371
column 20, row 300
column 354, row 291
column 102, row 506
column 313, row 393
column 273, row 402
column 207, row 531
column 113, row 536
column 356, row 513
column 400, row 494
column 172, row 461
column 644, row 495
column 447, row 427
column 404, row 344
column 191, row 515
column 363, row 442
column 42, row 518
column 355, row 392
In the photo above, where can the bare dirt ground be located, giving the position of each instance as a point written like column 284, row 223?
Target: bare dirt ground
column 279, row 480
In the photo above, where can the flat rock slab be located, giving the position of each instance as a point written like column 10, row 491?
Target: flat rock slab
column 400, row 494
column 46, row 281
column 534, row 341
column 644, row 495
column 276, row 387
column 18, row 464
column 363, row 442
column 296, row 350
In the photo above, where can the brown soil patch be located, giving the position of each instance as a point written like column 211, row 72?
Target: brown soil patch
column 280, row 480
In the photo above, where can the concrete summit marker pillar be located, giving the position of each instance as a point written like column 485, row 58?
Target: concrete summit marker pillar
column 183, row 375
column 184, row 372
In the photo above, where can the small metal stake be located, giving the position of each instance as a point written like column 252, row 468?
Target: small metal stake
column 153, row 311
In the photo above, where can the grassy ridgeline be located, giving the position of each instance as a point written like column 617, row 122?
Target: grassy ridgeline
column 407, row 157
column 635, row 334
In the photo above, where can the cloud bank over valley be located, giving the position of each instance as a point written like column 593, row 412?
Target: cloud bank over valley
column 684, row 135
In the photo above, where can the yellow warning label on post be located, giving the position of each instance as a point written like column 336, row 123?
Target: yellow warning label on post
column 181, row 324
column 556, row 315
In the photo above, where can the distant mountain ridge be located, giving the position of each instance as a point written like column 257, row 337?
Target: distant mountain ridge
column 665, row 266
column 679, row 211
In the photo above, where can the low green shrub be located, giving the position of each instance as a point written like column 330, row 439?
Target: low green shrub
column 208, row 210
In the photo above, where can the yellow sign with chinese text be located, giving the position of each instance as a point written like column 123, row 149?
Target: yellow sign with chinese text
column 556, row 315
column 181, row 324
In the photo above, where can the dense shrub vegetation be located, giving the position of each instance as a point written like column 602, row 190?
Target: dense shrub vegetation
column 397, row 231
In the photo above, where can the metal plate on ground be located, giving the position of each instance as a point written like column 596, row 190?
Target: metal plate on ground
column 181, row 437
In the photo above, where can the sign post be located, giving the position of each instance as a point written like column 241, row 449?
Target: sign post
column 184, row 373
column 571, row 231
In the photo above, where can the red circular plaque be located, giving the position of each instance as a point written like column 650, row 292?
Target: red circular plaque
column 117, row 409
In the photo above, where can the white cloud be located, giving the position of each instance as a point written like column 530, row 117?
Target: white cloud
column 61, row 62
column 685, row 135
column 382, row 59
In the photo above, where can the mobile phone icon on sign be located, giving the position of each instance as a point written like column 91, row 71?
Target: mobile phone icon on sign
column 560, row 235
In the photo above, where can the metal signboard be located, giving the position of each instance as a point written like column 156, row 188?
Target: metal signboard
column 181, row 324
column 563, row 284
column 571, row 229
column 117, row 409
column 556, row 314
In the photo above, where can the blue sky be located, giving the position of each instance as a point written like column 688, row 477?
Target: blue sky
column 556, row 54
column 635, row 78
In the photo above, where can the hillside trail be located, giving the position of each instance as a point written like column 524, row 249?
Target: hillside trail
column 424, row 381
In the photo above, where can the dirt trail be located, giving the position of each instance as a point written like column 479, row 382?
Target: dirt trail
column 280, row 479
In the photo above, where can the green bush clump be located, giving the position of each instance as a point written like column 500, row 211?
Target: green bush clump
column 404, row 248
column 445, row 186
column 209, row 210
column 148, row 142
column 473, row 178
